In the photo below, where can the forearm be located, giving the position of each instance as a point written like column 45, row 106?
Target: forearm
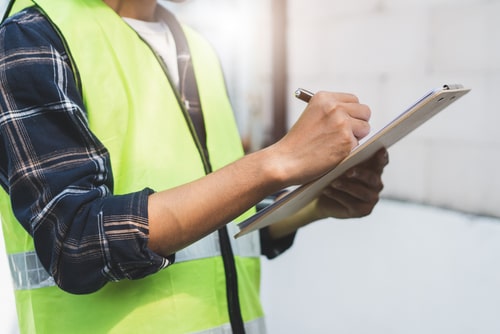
column 182, row 215
column 325, row 133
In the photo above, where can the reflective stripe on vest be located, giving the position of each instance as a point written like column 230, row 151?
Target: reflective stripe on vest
column 28, row 272
column 189, row 296
column 257, row 326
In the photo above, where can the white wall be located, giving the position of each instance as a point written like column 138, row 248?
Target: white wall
column 389, row 53
column 407, row 268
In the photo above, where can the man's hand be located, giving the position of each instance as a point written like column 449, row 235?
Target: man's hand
column 355, row 193
column 325, row 133
column 352, row 195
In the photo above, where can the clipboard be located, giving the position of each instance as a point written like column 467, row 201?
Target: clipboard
column 420, row 112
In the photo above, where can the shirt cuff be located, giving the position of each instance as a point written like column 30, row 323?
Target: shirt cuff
column 271, row 248
column 130, row 256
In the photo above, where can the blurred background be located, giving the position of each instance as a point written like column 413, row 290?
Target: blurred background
column 427, row 260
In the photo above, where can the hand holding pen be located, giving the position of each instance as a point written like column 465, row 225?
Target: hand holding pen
column 325, row 133
column 355, row 193
column 306, row 96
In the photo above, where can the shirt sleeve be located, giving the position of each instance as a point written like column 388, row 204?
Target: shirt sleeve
column 58, row 174
column 272, row 248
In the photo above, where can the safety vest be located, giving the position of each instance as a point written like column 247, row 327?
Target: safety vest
column 150, row 143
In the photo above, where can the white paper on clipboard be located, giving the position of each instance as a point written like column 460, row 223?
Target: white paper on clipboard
column 419, row 113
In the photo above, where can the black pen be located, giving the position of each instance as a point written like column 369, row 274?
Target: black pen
column 303, row 94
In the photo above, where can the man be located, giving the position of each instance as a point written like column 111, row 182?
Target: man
column 94, row 116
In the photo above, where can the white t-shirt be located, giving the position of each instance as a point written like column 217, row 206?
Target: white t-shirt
column 160, row 38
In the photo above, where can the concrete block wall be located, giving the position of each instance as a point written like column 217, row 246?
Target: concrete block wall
column 389, row 53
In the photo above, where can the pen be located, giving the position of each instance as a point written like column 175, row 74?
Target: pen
column 303, row 94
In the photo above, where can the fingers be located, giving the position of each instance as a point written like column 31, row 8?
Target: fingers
column 363, row 187
column 359, row 111
column 338, row 104
column 345, row 97
column 364, row 181
column 377, row 162
column 360, row 128
column 352, row 196
column 343, row 205
column 359, row 116
column 349, row 103
column 356, row 192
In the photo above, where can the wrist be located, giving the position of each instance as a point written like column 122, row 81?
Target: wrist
column 271, row 169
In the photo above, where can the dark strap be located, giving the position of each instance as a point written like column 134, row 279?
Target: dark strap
column 188, row 90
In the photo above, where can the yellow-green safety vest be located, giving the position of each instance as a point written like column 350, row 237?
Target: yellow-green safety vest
column 134, row 111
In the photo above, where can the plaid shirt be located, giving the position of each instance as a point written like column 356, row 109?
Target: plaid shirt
column 58, row 174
